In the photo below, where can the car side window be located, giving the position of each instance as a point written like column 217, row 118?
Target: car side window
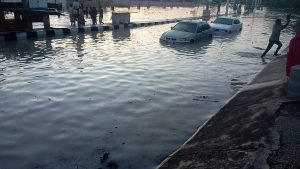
column 236, row 21
column 203, row 28
column 199, row 29
column 207, row 26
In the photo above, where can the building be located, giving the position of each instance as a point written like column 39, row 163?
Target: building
column 18, row 15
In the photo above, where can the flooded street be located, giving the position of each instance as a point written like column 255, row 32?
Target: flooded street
column 65, row 102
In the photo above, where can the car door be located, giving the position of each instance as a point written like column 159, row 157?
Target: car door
column 207, row 31
column 203, row 31
column 199, row 32
column 236, row 24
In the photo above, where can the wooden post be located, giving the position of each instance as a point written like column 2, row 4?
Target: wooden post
column 227, row 7
column 27, row 22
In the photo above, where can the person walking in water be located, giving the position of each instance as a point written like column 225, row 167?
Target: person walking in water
column 100, row 15
column 274, row 39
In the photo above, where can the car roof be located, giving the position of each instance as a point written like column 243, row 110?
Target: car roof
column 199, row 22
column 228, row 17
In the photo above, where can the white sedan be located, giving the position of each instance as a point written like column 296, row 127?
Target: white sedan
column 227, row 24
column 187, row 32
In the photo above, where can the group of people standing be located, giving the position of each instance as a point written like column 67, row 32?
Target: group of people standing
column 77, row 12
column 237, row 7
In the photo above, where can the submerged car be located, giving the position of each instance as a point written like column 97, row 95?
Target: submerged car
column 187, row 31
column 227, row 24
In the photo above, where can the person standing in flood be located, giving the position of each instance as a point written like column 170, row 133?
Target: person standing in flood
column 93, row 14
column 274, row 39
column 86, row 12
column 100, row 15
column 76, row 6
column 71, row 15
column 293, row 56
column 81, row 20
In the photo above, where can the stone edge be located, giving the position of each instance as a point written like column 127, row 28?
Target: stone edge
column 60, row 32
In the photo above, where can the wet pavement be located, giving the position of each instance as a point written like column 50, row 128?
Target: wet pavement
column 257, row 128
column 287, row 124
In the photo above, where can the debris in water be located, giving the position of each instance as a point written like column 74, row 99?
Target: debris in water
column 104, row 157
column 112, row 165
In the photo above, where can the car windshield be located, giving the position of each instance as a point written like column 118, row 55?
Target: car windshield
column 224, row 21
column 185, row 27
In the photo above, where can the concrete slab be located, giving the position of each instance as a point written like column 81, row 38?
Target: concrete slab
column 287, row 124
column 241, row 134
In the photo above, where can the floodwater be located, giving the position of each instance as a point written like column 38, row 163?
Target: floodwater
column 136, row 15
column 65, row 102
column 142, row 15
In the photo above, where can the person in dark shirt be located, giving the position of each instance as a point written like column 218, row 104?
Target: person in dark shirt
column 93, row 14
column 81, row 20
column 274, row 39
column 293, row 56
column 86, row 12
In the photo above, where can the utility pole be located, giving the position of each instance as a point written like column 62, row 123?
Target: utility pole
column 227, row 7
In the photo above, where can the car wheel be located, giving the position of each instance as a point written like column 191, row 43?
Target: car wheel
column 240, row 29
column 192, row 41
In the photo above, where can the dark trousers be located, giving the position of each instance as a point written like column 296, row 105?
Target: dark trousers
column 94, row 19
column 270, row 45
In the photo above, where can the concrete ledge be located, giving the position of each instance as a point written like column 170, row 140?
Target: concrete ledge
column 60, row 32
column 241, row 134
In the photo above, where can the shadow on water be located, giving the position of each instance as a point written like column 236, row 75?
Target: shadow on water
column 188, row 49
column 25, row 51
column 226, row 37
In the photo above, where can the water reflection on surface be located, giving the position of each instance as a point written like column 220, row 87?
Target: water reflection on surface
column 187, row 49
column 65, row 102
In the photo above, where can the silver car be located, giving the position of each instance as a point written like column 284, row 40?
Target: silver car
column 227, row 24
column 188, row 31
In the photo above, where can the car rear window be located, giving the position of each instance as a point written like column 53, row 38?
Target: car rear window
column 203, row 28
column 236, row 21
column 185, row 27
column 224, row 21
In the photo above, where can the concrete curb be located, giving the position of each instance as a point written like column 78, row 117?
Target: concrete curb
column 60, row 32
column 235, row 136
